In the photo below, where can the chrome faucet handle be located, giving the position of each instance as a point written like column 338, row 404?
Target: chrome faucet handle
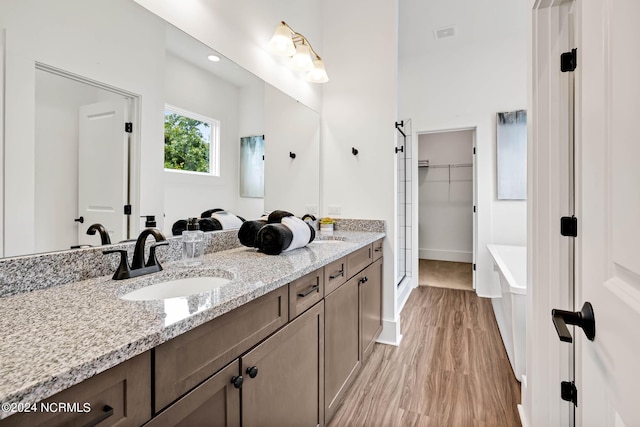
column 123, row 271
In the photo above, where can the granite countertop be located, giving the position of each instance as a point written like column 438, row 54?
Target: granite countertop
column 57, row 337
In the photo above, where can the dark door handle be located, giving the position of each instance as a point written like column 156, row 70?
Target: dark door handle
column 308, row 291
column 252, row 371
column 80, row 220
column 583, row 318
column 107, row 411
column 337, row 274
column 237, row 381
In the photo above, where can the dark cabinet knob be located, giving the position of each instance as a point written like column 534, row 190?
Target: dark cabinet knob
column 237, row 381
column 80, row 220
column 584, row 319
column 252, row 371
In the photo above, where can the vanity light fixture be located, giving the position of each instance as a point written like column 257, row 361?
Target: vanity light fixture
column 287, row 42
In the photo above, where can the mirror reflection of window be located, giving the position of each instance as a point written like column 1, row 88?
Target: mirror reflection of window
column 191, row 142
column 252, row 166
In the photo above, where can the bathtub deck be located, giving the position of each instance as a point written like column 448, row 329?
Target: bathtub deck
column 451, row 369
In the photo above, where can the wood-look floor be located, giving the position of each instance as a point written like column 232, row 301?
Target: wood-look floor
column 445, row 274
column 451, row 369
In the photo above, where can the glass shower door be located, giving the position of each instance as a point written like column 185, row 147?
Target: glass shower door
column 403, row 227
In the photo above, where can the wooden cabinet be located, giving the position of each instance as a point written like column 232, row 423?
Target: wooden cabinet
column 342, row 350
column 284, row 375
column 190, row 358
column 335, row 274
column 377, row 249
column 305, row 292
column 216, row 403
column 370, row 283
column 284, row 359
column 120, row 396
column 358, row 260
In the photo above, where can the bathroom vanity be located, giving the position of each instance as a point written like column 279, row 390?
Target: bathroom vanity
column 279, row 344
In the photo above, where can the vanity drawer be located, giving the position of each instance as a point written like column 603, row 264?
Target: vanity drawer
column 305, row 292
column 190, row 358
column 335, row 274
column 377, row 250
column 358, row 260
column 119, row 396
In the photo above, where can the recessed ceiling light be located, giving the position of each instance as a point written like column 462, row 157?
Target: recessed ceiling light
column 213, row 58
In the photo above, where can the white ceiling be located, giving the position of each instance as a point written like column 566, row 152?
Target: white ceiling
column 475, row 21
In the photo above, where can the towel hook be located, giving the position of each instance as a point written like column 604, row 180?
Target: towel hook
column 354, row 151
column 292, row 155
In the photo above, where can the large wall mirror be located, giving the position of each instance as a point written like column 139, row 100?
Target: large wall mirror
column 75, row 72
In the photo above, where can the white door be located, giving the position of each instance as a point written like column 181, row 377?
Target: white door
column 608, row 203
column 103, row 170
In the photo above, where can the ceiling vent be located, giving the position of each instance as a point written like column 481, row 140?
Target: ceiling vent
column 444, row 32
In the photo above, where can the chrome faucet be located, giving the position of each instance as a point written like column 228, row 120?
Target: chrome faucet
column 138, row 266
column 104, row 234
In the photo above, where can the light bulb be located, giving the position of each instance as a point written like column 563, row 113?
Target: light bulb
column 318, row 74
column 301, row 61
column 281, row 43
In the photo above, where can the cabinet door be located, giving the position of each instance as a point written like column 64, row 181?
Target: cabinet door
column 215, row 403
column 287, row 388
column 370, row 307
column 341, row 340
column 185, row 361
column 120, row 396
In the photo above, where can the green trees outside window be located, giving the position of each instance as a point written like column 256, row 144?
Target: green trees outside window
column 187, row 143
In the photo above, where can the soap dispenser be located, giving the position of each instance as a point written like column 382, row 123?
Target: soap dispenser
column 192, row 243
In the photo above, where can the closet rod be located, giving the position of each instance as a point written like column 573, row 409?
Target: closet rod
column 457, row 165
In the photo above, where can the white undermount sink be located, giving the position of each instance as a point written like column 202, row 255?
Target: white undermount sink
column 176, row 288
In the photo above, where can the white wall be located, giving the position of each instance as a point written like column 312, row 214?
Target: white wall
column 290, row 127
column 241, row 29
column 359, row 110
column 445, row 223
column 461, row 88
column 32, row 37
column 190, row 88
column 56, row 158
column 251, row 122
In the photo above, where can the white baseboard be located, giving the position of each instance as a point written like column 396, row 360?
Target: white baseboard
column 404, row 290
column 523, row 416
column 390, row 334
column 444, row 255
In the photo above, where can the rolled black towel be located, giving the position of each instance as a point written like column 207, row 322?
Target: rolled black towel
column 292, row 233
column 207, row 214
column 272, row 239
column 276, row 216
column 249, row 230
column 209, row 224
column 178, row 227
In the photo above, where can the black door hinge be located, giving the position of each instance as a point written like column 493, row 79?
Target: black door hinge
column 474, row 150
column 128, row 127
column 127, row 209
column 569, row 226
column 569, row 392
column 474, row 267
column 474, row 209
column 569, row 61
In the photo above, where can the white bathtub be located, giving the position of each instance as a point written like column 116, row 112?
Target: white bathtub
column 510, row 263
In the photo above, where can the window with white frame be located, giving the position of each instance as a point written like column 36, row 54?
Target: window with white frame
column 191, row 142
